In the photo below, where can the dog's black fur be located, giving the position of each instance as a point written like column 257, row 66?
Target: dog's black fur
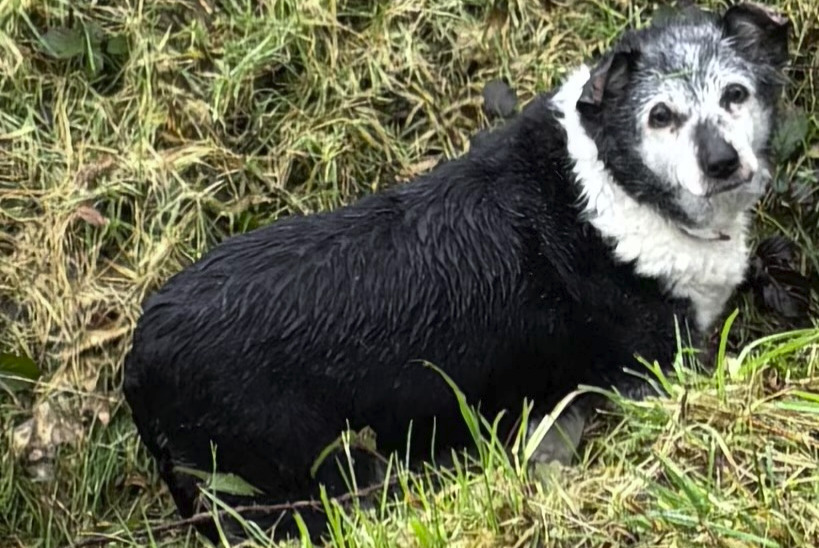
column 278, row 339
column 274, row 339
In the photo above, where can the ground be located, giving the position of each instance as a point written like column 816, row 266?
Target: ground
column 133, row 136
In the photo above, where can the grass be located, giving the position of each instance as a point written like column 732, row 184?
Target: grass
column 134, row 135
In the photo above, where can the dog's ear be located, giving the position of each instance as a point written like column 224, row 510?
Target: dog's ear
column 758, row 30
column 608, row 78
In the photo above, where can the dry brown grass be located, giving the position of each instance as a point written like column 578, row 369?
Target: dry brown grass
column 220, row 116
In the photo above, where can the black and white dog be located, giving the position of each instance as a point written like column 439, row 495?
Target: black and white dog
column 560, row 246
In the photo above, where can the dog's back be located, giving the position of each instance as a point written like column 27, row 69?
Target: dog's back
column 275, row 339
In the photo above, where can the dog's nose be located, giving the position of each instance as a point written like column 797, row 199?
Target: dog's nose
column 718, row 159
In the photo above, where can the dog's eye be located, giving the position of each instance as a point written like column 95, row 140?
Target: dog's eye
column 660, row 116
column 735, row 94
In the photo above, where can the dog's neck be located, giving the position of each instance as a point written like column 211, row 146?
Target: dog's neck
column 703, row 266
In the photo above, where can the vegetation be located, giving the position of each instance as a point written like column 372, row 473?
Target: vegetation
column 135, row 135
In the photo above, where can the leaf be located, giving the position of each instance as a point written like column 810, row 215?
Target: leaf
column 804, row 193
column 496, row 19
column 363, row 439
column 775, row 248
column 499, row 100
column 94, row 33
column 20, row 366
column 221, row 482
column 14, row 368
column 63, row 43
column 788, row 293
column 117, row 45
column 780, row 184
column 790, row 134
column 192, row 472
column 91, row 216
column 777, row 283
column 88, row 175
column 231, row 484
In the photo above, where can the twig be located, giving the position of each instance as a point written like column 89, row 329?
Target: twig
column 203, row 517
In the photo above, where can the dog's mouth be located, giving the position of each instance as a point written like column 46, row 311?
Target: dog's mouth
column 705, row 234
column 716, row 187
column 723, row 187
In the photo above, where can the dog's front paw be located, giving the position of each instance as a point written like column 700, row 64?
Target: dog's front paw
column 559, row 444
column 556, row 447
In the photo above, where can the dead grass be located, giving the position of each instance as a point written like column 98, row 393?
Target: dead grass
column 209, row 118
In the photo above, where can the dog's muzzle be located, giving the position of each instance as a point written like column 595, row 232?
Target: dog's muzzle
column 719, row 160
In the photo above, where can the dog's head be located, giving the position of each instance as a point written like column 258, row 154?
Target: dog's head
column 682, row 111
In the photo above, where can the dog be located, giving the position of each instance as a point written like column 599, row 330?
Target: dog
column 603, row 215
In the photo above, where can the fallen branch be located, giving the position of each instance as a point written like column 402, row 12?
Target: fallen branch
column 204, row 517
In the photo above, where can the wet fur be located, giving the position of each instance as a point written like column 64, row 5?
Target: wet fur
column 522, row 269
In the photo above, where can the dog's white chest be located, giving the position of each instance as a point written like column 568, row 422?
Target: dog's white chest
column 706, row 271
